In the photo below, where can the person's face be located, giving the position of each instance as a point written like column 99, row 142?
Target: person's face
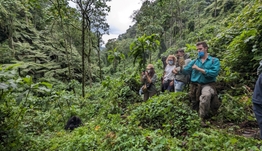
column 170, row 61
column 148, row 69
column 180, row 54
column 201, row 48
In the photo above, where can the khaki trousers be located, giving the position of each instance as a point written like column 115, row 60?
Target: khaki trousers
column 204, row 100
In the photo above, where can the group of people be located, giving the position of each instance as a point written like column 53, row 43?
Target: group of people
column 170, row 80
column 202, row 73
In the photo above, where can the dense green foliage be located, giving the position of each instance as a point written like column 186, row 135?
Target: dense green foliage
column 43, row 66
column 115, row 118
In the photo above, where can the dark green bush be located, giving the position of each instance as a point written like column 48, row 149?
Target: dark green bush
column 211, row 139
column 169, row 112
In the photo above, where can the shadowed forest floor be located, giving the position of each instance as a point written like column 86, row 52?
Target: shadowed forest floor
column 247, row 129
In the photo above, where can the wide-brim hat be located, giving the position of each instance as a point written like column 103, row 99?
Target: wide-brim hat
column 150, row 66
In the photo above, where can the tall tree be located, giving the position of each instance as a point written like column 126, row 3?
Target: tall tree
column 89, row 9
column 100, row 27
column 61, row 11
column 83, row 6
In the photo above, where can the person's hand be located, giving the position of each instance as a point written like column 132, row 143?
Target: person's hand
column 198, row 69
column 195, row 67
column 171, row 83
column 146, row 73
column 175, row 71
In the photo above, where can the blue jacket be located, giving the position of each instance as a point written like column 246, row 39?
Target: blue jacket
column 257, row 95
column 211, row 67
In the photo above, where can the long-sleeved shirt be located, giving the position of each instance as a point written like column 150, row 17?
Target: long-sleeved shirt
column 259, row 69
column 152, row 87
column 211, row 67
column 257, row 95
column 181, row 77
column 169, row 75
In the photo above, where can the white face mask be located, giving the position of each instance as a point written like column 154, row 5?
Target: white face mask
column 148, row 71
column 170, row 62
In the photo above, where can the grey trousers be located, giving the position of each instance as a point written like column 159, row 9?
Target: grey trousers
column 204, row 100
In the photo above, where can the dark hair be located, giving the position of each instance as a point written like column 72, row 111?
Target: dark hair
column 203, row 43
column 181, row 50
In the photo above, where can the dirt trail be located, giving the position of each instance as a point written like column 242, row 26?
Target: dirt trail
column 248, row 129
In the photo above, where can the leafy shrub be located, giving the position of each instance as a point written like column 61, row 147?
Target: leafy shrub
column 11, row 115
column 239, row 44
column 169, row 112
column 235, row 109
column 121, row 92
column 219, row 140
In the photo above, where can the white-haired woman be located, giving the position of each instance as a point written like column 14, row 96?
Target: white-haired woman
column 168, row 79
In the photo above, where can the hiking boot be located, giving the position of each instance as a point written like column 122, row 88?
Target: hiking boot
column 257, row 135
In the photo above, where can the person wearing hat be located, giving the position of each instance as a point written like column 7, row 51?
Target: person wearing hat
column 148, row 78
column 257, row 98
column 181, row 53
column 180, row 79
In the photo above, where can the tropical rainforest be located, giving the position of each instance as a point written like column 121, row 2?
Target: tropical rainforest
column 54, row 65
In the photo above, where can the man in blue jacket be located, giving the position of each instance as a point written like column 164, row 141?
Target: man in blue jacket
column 257, row 99
column 204, row 71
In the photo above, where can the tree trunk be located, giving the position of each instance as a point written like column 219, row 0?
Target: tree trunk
column 98, row 54
column 10, row 35
column 83, row 54
column 89, row 55
column 144, row 57
column 171, row 24
column 179, row 17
